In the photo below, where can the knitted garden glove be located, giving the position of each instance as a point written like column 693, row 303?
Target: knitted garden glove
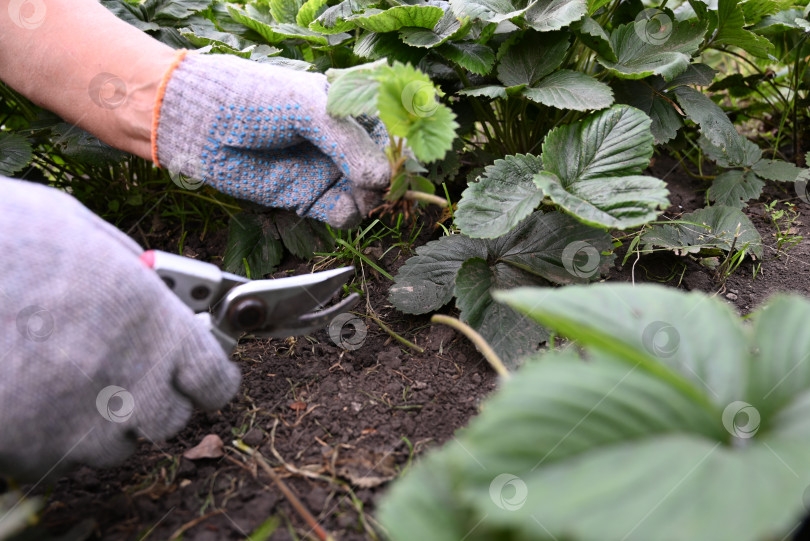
column 95, row 351
column 262, row 133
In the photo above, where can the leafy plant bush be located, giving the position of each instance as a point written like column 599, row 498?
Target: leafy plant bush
column 682, row 423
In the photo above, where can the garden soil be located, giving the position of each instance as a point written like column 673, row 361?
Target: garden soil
column 336, row 426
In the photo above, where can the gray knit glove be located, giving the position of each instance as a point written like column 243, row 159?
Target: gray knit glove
column 262, row 133
column 95, row 351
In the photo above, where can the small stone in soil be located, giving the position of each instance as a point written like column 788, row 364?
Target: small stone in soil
column 731, row 297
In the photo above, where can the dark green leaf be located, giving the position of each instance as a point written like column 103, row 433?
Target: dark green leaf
column 501, row 198
column 594, row 36
column 547, row 15
column 648, row 95
column 735, row 188
column 534, row 57
column 567, row 89
column 303, row 237
column 730, row 31
column 253, row 239
column 666, row 53
column 508, row 332
column 394, row 18
column 708, row 230
column 714, row 124
column 777, row 170
column 15, row 153
column 472, row 56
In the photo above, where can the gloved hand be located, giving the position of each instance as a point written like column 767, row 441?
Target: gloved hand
column 262, row 133
column 95, row 350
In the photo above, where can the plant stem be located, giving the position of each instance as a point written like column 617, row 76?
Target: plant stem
column 395, row 336
column 480, row 343
column 412, row 195
column 291, row 497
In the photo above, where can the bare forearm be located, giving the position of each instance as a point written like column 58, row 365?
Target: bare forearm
column 78, row 60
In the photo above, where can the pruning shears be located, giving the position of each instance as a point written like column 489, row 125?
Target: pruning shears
column 232, row 305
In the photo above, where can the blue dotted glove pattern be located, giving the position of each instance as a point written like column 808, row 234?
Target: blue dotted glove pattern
column 258, row 153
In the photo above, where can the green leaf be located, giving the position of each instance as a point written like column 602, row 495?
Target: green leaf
column 502, row 197
column 594, row 36
column 449, row 25
column 547, row 15
column 777, row 170
column 303, row 237
column 751, row 153
column 75, row 143
column 173, row 10
column 408, row 106
column 15, row 153
column 567, row 89
column 200, row 36
column 640, row 54
column 474, row 57
column 397, row 17
column 780, row 22
column 353, row 91
column 706, row 231
column 714, row 124
column 648, row 96
column 276, row 33
column 538, row 246
column 735, row 188
column 544, row 247
column 285, row 11
column 648, row 327
column 490, row 91
column 534, row 57
column 333, row 19
column 507, row 331
column 731, row 20
column 493, row 11
column 310, row 10
column 591, row 169
column 624, row 444
column 251, row 239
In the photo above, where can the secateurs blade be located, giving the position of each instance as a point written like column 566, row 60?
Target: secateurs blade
column 232, row 305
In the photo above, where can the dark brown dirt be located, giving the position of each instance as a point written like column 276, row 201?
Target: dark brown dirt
column 338, row 425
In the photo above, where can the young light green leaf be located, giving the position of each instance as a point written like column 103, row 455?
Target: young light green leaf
column 472, row 56
column 730, row 31
column 310, row 10
column 567, row 89
column 333, row 19
column 707, row 230
column 285, row 11
column 397, row 17
column 408, row 106
column 353, row 91
column 640, row 54
column 534, row 57
column 508, row 332
column 547, row 15
column 448, row 26
column 15, row 153
column 735, row 188
column 276, row 33
column 501, row 198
